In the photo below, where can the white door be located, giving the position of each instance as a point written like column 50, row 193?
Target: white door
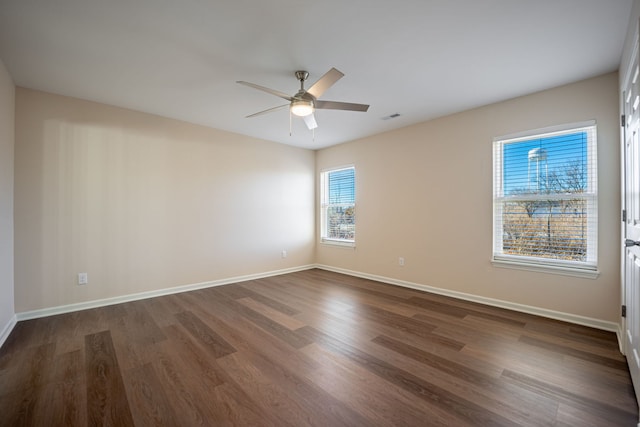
column 631, row 227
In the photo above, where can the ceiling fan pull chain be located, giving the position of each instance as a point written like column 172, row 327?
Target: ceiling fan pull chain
column 290, row 126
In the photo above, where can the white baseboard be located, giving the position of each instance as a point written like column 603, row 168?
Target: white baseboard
column 566, row 317
column 34, row 314
column 4, row 334
column 621, row 345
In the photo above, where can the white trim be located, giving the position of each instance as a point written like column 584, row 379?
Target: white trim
column 546, row 130
column 584, row 273
column 7, row 329
column 634, row 52
column 551, row 314
column 324, row 205
column 580, row 269
column 631, row 69
column 567, row 317
column 338, row 168
column 34, row 314
column 336, row 242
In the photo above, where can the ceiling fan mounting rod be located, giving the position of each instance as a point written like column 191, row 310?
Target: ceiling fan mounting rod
column 302, row 76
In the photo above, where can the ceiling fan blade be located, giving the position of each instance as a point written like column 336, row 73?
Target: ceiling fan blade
column 266, row 89
column 335, row 105
column 269, row 110
column 325, row 82
column 310, row 121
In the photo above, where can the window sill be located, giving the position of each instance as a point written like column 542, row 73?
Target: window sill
column 584, row 273
column 341, row 243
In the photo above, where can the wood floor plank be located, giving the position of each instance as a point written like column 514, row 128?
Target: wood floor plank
column 30, row 370
column 563, row 349
column 274, row 328
column 579, row 334
column 241, row 332
column 580, row 376
column 615, row 416
column 365, row 286
column 106, row 396
column 194, row 359
column 480, row 387
column 311, row 348
column 24, row 335
column 69, row 336
column 186, row 381
column 22, row 398
column 233, row 407
column 253, row 288
column 440, row 363
column 208, row 338
column 288, row 322
column 129, row 352
column 163, row 310
column 327, row 409
column 379, row 401
column 422, row 389
column 439, row 307
column 142, row 327
column 255, row 382
column 396, row 321
column 64, row 395
column 18, row 408
column 569, row 416
column 149, row 402
column 305, row 295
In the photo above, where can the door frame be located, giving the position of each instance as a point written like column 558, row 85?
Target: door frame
column 624, row 79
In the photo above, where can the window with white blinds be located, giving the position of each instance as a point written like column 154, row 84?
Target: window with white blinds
column 545, row 198
column 338, row 204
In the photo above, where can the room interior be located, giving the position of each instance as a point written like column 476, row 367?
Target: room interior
column 151, row 202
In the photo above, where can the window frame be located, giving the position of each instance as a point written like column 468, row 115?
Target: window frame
column 584, row 269
column 325, row 205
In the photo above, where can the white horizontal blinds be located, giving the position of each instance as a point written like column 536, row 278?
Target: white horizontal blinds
column 339, row 204
column 545, row 197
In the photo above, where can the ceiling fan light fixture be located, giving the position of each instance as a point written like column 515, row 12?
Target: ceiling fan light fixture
column 301, row 107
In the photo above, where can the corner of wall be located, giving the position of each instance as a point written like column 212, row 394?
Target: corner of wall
column 7, row 146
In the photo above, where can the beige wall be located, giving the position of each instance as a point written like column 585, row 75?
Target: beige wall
column 631, row 38
column 7, row 93
column 142, row 203
column 424, row 192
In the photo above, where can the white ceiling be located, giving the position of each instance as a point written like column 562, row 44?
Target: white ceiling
column 419, row 58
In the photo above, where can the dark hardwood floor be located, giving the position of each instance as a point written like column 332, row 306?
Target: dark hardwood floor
column 312, row 348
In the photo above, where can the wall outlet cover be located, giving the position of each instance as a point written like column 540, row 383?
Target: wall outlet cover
column 83, row 278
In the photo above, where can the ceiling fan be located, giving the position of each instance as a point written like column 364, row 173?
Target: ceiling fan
column 305, row 102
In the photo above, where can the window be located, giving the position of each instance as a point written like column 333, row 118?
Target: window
column 338, row 205
column 545, row 213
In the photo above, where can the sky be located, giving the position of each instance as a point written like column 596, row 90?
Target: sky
column 521, row 173
column 342, row 186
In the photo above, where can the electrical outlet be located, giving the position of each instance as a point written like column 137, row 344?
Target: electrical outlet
column 401, row 261
column 284, row 254
column 83, row 278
